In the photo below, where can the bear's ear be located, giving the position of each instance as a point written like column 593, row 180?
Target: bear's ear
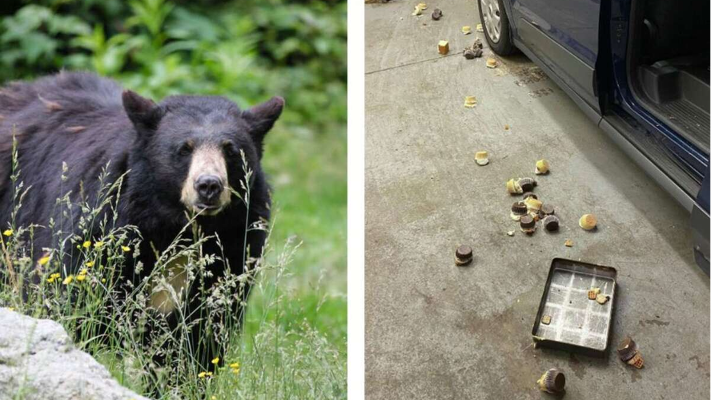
column 143, row 112
column 261, row 119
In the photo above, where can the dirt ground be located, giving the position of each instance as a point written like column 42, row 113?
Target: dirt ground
column 437, row 331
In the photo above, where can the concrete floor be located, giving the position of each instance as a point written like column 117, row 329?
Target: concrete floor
column 436, row 331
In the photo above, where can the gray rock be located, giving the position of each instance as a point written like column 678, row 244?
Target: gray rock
column 39, row 361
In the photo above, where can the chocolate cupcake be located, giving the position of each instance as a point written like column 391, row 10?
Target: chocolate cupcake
column 528, row 225
column 547, row 209
column 551, row 223
column 518, row 209
column 527, row 184
column 627, row 349
column 553, row 381
column 463, row 256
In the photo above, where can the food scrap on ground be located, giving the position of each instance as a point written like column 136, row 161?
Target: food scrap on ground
column 510, row 233
column 546, row 320
column 628, row 352
column 533, row 205
column 542, row 167
column 528, row 224
column 470, row 101
column 527, row 184
column 551, row 223
column 474, row 51
column 443, row 47
column 588, row 222
column 463, row 256
column 568, row 243
column 518, row 209
column 547, row 209
column 437, row 14
column 552, row 381
column 513, row 187
column 490, row 63
column 479, row 28
column 481, row 157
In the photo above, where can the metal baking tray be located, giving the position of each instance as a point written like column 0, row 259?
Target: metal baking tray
column 577, row 324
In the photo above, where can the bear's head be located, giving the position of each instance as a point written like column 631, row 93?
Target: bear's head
column 193, row 146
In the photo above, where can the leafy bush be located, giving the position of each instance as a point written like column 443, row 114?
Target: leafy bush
column 242, row 50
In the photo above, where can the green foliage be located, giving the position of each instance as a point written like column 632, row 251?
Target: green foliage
column 242, row 50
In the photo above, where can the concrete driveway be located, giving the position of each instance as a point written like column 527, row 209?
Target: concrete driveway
column 437, row 331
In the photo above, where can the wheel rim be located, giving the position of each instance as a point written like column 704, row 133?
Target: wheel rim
column 492, row 19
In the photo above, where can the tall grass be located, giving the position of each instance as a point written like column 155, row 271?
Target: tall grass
column 109, row 317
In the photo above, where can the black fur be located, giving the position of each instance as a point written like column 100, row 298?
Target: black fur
column 87, row 121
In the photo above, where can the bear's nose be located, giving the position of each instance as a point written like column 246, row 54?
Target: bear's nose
column 208, row 187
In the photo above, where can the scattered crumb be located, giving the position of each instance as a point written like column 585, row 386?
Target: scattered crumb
column 588, row 222
column 602, row 299
column 510, row 233
column 491, row 63
column 466, row 29
column 470, row 101
column 593, row 293
column 507, row 127
column 479, row 28
column 443, row 47
column 542, row 167
column 569, row 243
column 546, row 320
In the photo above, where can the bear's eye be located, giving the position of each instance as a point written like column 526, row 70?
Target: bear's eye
column 185, row 149
column 229, row 149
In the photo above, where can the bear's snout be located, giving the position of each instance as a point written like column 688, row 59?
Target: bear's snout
column 208, row 188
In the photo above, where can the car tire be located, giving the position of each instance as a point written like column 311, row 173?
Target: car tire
column 499, row 41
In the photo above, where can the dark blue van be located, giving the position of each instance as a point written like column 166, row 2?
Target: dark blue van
column 639, row 69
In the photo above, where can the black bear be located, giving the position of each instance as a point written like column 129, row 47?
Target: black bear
column 185, row 153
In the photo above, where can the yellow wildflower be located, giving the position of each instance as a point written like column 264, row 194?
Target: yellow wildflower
column 50, row 279
column 81, row 278
column 83, row 271
column 98, row 244
column 125, row 249
column 89, row 264
column 204, row 374
column 55, row 275
column 234, row 365
column 68, row 280
column 44, row 260
column 8, row 232
column 86, row 244
column 13, row 309
column 215, row 360
column 213, row 398
column 235, row 371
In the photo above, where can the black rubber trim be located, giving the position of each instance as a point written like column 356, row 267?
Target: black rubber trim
column 581, row 74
